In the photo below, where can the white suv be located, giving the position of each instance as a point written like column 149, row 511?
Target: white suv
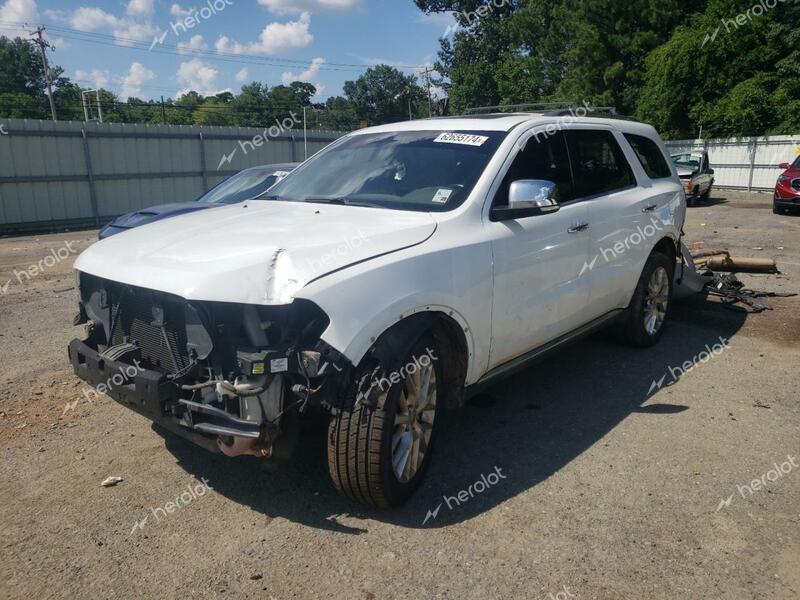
column 384, row 281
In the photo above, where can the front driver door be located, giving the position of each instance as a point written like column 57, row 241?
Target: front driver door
column 538, row 294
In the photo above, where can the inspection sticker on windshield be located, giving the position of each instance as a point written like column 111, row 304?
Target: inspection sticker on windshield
column 442, row 196
column 467, row 139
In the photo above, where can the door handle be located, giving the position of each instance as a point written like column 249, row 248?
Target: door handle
column 650, row 208
column 577, row 228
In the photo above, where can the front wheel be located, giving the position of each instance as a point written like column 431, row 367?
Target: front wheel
column 378, row 454
column 644, row 320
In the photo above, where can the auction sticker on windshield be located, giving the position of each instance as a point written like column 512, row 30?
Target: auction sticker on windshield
column 466, row 139
column 442, row 196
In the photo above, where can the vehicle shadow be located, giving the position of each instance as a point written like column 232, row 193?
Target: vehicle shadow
column 529, row 427
column 712, row 201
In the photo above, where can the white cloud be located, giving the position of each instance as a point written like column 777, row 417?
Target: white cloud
column 17, row 11
column 195, row 44
column 136, row 77
column 197, row 76
column 176, row 10
column 296, row 7
column 140, row 8
column 276, row 37
column 310, row 75
column 136, row 25
column 90, row 19
column 242, row 75
column 98, row 78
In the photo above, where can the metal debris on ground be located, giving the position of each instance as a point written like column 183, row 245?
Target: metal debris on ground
column 111, row 481
column 733, row 293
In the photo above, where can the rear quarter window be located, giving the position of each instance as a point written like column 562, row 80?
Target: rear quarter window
column 650, row 156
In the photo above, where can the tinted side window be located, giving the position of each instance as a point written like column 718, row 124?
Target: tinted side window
column 544, row 157
column 649, row 154
column 598, row 164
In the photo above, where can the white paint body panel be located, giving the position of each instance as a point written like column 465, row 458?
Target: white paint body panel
column 511, row 285
column 261, row 252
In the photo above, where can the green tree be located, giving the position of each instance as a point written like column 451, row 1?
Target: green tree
column 382, row 95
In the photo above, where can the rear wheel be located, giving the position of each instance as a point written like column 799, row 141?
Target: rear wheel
column 644, row 320
column 378, row 455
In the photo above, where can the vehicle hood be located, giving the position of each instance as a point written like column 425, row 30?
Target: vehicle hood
column 684, row 173
column 154, row 213
column 259, row 252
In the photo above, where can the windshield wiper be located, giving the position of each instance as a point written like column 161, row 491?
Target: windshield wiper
column 342, row 202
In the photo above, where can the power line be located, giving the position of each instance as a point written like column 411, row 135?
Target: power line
column 170, row 49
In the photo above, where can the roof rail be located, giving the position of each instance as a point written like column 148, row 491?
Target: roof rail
column 553, row 109
column 530, row 107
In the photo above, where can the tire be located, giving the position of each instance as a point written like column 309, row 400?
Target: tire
column 638, row 329
column 776, row 210
column 706, row 195
column 691, row 199
column 365, row 445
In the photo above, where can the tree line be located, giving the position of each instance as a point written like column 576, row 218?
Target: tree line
column 381, row 95
column 729, row 68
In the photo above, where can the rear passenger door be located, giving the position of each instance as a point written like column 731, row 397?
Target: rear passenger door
column 618, row 211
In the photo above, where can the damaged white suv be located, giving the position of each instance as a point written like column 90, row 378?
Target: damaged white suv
column 384, row 281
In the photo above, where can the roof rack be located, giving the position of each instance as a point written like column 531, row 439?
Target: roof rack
column 551, row 109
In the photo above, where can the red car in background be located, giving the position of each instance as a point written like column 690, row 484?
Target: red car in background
column 787, row 190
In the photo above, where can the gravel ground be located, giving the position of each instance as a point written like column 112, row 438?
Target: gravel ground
column 602, row 489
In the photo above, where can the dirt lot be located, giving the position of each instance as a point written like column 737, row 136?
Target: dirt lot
column 603, row 489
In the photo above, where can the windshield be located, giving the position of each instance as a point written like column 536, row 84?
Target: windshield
column 687, row 161
column 240, row 187
column 413, row 170
column 796, row 163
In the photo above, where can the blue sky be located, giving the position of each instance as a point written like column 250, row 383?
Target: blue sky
column 325, row 42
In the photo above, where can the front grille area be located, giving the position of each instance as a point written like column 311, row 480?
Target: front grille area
column 153, row 321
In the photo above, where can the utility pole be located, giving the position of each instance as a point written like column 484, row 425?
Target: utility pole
column 428, row 78
column 163, row 112
column 43, row 44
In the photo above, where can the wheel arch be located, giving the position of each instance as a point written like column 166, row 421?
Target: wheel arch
column 452, row 338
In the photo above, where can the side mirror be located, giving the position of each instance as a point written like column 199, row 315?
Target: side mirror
column 711, row 171
column 784, row 166
column 527, row 198
column 533, row 193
